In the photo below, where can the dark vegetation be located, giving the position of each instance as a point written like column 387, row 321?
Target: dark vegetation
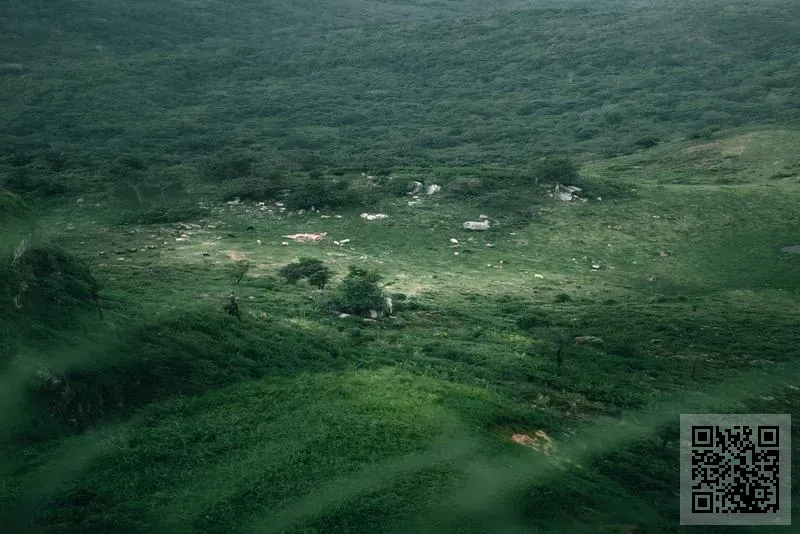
column 317, row 273
column 134, row 396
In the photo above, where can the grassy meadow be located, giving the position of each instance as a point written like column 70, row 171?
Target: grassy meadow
column 157, row 155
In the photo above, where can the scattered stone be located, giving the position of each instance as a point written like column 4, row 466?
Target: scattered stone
column 285, row 243
column 454, row 241
column 483, row 216
column 595, row 266
column 373, row 216
column 433, row 188
column 792, row 249
column 80, row 200
column 343, row 315
column 664, row 253
column 417, row 188
column 235, row 202
column 566, row 193
column 539, row 276
column 476, row 225
column 489, row 245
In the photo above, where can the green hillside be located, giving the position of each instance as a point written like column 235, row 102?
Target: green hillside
column 173, row 361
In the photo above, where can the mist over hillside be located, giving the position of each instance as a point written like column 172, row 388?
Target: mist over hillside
column 389, row 266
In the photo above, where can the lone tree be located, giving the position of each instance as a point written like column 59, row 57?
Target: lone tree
column 240, row 269
column 555, row 169
column 361, row 292
column 320, row 278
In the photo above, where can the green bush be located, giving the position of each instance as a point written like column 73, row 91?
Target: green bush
column 466, row 187
column 320, row 193
column 531, row 320
column 43, row 290
column 184, row 211
column 253, row 188
column 320, row 278
column 228, row 167
column 35, row 183
column 361, row 292
column 556, row 169
column 317, row 273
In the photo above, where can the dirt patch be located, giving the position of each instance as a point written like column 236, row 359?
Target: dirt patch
column 726, row 148
column 540, row 441
column 236, row 255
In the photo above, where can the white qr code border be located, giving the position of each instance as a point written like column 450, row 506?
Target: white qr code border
column 689, row 486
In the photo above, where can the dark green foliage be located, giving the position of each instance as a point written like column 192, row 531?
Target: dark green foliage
column 563, row 297
column 360, row 292
column 320, row 193
column 43, row 290
column 320, row 278
column 306, row 268
column 556, row 169
column 254, row 188
column 229, row 166
column 467, row 186
column 31, row 181
column 179, row 211
column 532, row 320
column 13, row 210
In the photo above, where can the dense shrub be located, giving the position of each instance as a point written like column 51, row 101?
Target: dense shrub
column 43, row 290
column 228, row 167
column 320, row 193
column 317, row 273
column 555, row 169
column 563, row 297
column 33, row 182
column 361, row 292
column 466, row 187
column 254, row 188
column 183, row 211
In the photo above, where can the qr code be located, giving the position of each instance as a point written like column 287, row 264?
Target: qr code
column 736, row 465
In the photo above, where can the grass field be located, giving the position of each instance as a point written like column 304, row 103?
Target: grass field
column 132, row 402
